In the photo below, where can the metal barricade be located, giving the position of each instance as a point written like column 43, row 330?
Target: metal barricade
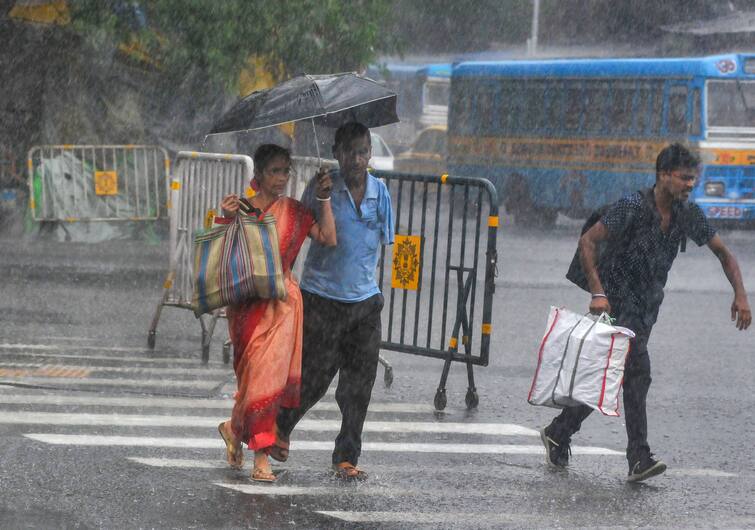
column 438, row 284
column 198, row 185
column 69, row 183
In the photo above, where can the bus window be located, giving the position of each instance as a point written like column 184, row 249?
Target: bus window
column 649, row 108
column 596, row 95
column 553, row 104
column 574, row 105
column 462, row 107
column 436, row 93
column 696, row 110
column 731, row 103
column 485, row 110
column 620, row 110
column 506, row 108
column 534, row 108
column 677, row 109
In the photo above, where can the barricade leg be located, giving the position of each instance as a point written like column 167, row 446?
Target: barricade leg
column 227, row 351
column 156, row 318
column 387, row 371
column 208, row 328
column 461, row 322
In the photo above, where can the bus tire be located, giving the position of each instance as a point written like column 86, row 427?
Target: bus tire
column 517, row 201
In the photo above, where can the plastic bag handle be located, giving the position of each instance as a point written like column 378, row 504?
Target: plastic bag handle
column 604, row 318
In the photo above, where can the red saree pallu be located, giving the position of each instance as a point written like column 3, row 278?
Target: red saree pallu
column 267, row 339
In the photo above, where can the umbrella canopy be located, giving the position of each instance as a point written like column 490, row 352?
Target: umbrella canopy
column 331, row 100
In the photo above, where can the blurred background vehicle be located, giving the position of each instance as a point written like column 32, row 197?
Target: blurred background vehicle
column 428, row 153
column 382, row 157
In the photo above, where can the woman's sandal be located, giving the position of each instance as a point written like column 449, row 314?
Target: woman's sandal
column 233, row 453
column 261, row 475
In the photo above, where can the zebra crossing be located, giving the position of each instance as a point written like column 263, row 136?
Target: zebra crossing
column 404, row 444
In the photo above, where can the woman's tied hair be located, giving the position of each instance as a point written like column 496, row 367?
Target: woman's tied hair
column 673, row 157
column 266, row 152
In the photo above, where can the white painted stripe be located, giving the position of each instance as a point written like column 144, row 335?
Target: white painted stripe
column 134, row 420
column 188, row 403
column 90, row 381
column 700, row 472
column 445, row 519
column 393, row 447
column 55, row 349
column 276, row 490
column 180, row 463
column 198, row 370
column 397, row 468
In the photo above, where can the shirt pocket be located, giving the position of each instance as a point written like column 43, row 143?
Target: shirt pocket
column 370, row 217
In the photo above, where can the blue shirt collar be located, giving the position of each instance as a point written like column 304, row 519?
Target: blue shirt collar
column 371, row 192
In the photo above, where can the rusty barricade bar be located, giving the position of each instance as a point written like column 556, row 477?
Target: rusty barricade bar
column 69, row 183
column 439, row 278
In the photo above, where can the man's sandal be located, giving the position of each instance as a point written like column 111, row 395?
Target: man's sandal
column 279, row 450
column 233, row 453
column 348, row 471
column 263, row 476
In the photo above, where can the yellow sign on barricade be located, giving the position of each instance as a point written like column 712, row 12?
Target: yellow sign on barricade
column 406, row 262
column 106, row 183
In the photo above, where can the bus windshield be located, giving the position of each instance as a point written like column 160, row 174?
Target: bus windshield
column 731, row 104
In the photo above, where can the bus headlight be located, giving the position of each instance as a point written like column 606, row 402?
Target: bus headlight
column 714, row 189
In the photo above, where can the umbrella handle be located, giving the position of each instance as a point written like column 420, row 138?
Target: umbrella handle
column 317, row 142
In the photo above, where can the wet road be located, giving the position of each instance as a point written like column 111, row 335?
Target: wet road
column 98, row 431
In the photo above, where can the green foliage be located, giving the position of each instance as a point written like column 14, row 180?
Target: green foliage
column 218, row 36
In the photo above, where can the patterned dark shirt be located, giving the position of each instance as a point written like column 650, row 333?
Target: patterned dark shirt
column 642, row 254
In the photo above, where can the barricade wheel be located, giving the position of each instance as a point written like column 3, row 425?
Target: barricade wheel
column 151, row 340
column 472, row 399
column 440, row 399
column 226, row 352
column 388, row 376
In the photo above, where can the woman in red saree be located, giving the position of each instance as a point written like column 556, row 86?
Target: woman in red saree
column 267, row 334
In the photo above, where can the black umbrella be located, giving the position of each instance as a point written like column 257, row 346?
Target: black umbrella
column 331, row 100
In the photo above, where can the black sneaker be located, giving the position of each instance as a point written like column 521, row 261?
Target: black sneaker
column 644, row 468
column 556, row 455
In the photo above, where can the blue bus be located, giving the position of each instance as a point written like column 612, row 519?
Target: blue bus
column 570, row 135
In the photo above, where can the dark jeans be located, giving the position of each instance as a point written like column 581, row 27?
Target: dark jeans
column 636, row 384
column 338, row 336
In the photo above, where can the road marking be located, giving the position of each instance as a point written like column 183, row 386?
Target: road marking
column 276, row 490
column 311, row 425
column 700, row 472
column 188, row 403
column 442, row 518
column 46, row 371
column 159, row 383
column 392, row 447
column 53, row 347
column 199, row 370
column 169, row 360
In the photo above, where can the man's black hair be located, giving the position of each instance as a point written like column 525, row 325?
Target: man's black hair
column 349, row 131
column 673, row 157
column 266, row 152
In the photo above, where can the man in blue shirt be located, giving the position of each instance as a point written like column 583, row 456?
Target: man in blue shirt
column 342, row 300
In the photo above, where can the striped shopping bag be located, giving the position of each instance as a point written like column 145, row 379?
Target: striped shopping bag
column 236, row 262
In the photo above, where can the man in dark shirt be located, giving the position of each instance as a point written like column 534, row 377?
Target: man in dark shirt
column 643, row 232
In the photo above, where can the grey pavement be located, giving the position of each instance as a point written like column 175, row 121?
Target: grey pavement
column 99, row 431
